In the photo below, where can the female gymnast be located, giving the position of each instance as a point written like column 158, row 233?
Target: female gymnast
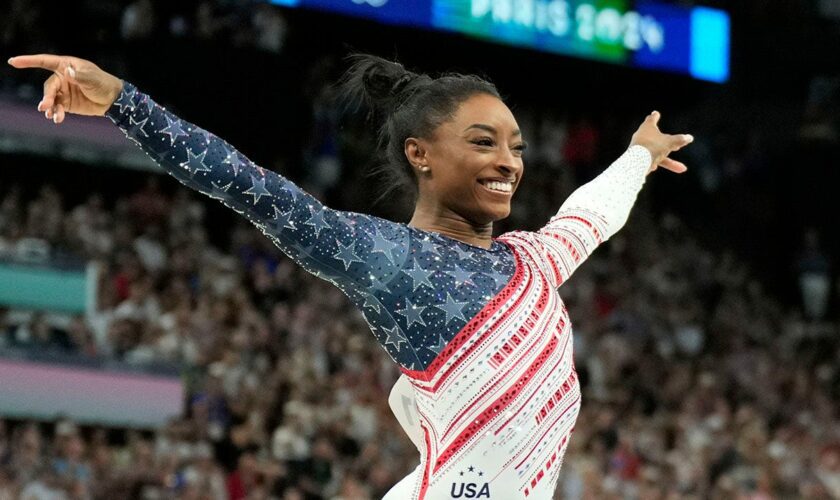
column 474, row 322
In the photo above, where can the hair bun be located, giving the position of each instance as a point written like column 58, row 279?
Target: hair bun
column 403, row 82
column 376, row 82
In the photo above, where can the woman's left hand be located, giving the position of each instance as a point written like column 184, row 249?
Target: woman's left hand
column 660, row 145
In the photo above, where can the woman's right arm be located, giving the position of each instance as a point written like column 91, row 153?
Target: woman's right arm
column 344, row 248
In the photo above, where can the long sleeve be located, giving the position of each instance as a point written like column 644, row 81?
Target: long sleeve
column 590, row 216
column 344, row 248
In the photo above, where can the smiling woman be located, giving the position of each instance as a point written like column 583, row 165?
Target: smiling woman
column 474, row 166
column 489, row 391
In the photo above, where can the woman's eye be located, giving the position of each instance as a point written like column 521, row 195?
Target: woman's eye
column 487, row 142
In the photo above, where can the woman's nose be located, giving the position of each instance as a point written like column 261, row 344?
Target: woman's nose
column 509, row 162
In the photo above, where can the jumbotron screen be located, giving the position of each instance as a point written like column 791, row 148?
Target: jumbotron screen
column 641, row 34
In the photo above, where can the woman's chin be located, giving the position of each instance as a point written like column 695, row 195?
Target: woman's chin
column 495, row 214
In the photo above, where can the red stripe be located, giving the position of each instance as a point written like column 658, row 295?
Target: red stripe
column 541, row 305
column 499, row 380
column 560, row 360
column 492, row 329
column 552, row 262
column 558, row 395
column 585, row 221
column 426, row 476
column 571, row 405
column 475, row 324
column 497, row 407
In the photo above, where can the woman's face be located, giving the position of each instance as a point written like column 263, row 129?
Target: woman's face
column 474, row 161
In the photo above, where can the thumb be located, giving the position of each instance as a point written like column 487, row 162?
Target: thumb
column 70, row 74
column 82, row 75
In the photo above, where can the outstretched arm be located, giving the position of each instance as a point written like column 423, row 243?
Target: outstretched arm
column 338, row 246
column 599, row 208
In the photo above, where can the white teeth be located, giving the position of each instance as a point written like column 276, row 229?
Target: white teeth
column 504, row 187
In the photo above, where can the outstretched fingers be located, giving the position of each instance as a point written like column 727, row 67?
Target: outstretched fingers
column 654, row 118
column 44, row 61
column 51, row 89
column 61, row 108
column 673, row 165
column 680, row 141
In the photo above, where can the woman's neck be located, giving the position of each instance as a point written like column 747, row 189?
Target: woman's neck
column 452, row 225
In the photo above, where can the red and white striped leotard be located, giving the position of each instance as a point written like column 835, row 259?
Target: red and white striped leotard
column 493, row 414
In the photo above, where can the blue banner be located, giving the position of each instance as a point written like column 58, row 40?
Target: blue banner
column 643, row 34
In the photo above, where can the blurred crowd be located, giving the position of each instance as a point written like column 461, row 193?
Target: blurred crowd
column 698, row 382
column 281, row 404
column 245, row 23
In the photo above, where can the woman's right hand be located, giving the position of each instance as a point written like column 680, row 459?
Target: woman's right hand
column 660, row 145
column 76, row 86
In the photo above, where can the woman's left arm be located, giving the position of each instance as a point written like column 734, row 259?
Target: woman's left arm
column 600, row 208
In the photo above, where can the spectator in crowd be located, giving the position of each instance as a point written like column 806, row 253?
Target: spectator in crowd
column 814, row 269
column 138, row 20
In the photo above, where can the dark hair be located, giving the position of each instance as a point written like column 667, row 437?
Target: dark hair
column 409, row 105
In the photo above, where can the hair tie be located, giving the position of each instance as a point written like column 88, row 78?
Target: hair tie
column 402, row 82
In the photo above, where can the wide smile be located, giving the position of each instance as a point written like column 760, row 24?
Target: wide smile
column 499, row 188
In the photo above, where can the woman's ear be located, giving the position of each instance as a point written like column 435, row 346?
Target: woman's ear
column 415, row 152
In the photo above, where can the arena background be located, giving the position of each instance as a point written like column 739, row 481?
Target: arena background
column 155, row 345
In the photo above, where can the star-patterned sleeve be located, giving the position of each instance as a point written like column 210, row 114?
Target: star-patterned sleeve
column 590, row 216
column 350, row 250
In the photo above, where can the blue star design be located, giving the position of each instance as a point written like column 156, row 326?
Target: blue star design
column 412, row 313
column 419, row 276
column 377, row 284
column 297, row 193
column 461, row 275
column 219, row 192
column 173, row 130
column 346, row 255
column 207, row 135
column 440, row 345
column 282, row 220
column 139, row 125
column 427, row 245
column 371, row 302
column 257, row 189
column 394, row 337
column 498, row 278
column 384, row 246
column 316, row 220
column 195, row 163
column 453, row 309
column 462, row 254
column 232, row 159
column 150, row 104
column 126, row 100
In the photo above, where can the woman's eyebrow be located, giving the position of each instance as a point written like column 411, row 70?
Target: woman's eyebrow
column 489, row 128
